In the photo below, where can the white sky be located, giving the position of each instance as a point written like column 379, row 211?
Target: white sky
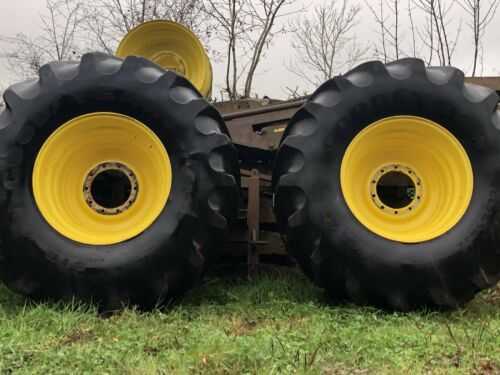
column 272, row 76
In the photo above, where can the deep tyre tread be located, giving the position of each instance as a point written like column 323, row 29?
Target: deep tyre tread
column 170, row 256
column 338, row 252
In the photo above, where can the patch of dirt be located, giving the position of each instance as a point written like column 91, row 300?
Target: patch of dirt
column 246, row 326
column 340, row 370
column 455, row 359
column 487, row 367
column 151, row 350
column 493, row 295
column 440, row 361
column 242, row 327
column 158, row 344
column 295, row 322
column 290, row 323
column 77, row 336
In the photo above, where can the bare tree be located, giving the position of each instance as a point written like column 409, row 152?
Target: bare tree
column 436, row 34
column 109, row 20
column 413, row 30
column 246, row 28
column 324, row 43
column 23, row 56
column 232, row 28
column 387, row 17
column 482, row 13
column 294, row 93
column 430, row 30
column 58, row 39
column 264, row 14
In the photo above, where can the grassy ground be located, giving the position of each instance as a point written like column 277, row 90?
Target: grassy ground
column 276, row 324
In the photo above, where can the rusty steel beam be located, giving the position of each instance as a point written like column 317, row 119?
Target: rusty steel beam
column 491, row 82
column 253, row 220
column 264, row 109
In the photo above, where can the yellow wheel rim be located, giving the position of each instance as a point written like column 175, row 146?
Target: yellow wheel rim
column 407, row 179
column 173, row 47
column 102, row 178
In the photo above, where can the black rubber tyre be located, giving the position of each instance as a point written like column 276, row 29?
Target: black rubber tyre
column 169, row 256
column 335, row 249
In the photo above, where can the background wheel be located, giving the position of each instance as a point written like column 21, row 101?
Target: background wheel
column 387, row 185
column 118, row 179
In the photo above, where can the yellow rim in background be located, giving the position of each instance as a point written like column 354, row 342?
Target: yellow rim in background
column 77, row 148
column 173, row 47
column 430, row 156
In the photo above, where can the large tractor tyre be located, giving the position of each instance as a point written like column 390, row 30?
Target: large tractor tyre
column 117, row 180
column 387, row 186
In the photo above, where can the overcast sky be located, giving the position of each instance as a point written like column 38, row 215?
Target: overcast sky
column 273, row 76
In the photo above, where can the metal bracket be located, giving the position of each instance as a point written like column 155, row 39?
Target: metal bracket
column 253, row 221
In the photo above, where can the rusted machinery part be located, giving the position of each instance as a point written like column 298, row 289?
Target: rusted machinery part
column 490, row 82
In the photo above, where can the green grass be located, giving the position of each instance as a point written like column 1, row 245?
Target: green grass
column 276, row 324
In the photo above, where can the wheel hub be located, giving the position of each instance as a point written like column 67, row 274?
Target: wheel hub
column 396, row 189
column 171, row 61
column 110, row 188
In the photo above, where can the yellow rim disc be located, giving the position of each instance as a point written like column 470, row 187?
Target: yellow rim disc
column 407, row 179
column 173, row 47
column 102, row 178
